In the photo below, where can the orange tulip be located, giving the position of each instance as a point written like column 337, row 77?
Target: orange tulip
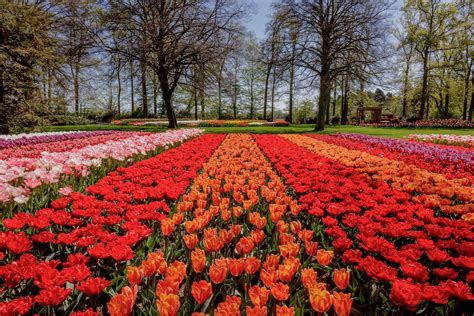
column 320, row 299
column 289, row 250
column 280, row 291
column 342, row 303
column 157, row 260
column 272, row 261
column 285, row 311
column 178, row 218
column 198, row 260
column 282, row 227
column 341, row 278
column 176, row 271
column 258, row 295
column 217, row 272
column 311, row 248
column 167, row 226
column 167, row 286
column 168, row 304
column 190, row 226
column 285, row 273
column 225, row 214
column 201, row 291
column 256, row 311
column 306, row 235
column 269, row 276
column 251, row 265
column 190, row 241
column 122, row 304
column 285, row 238
column 213, row 243
column 226, row 236
column 324, row 257
column 231, row 306
column 237, row 210
column 236, row 266
column 257, row 236
column 308, row 277
column 134, row 275
column 236, row 229
column 296, row 226
column 244, row 246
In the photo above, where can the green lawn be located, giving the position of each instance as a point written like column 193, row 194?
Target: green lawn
column 305, row 128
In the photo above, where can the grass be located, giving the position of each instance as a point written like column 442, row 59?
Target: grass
column 392, row 132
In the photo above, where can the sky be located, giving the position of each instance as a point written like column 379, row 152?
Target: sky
column 262, row 10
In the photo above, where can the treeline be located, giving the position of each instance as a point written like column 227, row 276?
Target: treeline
column 319, row 60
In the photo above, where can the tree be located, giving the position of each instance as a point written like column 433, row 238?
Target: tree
column 168, row 35
column 338, row 35
column 432, row 21
column 25, row 47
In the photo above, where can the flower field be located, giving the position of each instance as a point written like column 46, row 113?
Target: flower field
column 235, row 225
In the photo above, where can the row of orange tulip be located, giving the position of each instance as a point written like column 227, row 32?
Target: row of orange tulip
column 436, row 189
column 242, row 247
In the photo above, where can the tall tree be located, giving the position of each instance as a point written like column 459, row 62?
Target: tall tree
column 172, row 33
column 430, row 24
column 332, row 32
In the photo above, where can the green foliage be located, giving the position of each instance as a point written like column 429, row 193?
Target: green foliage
column 25, row 47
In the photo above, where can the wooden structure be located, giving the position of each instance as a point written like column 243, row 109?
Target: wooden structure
column 375, row 114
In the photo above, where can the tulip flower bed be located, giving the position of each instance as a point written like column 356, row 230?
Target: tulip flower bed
column 383, row 229
column 454, row 140
column 64, row 256
column 42, row 169
column 250, row 225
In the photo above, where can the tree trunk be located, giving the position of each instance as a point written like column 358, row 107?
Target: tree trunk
column 324, row 96
column 446, row 103
column 292, row 80
column 235, row 97
column 471, row 107
column 334, row 99
column 219, row 92
column 424, row 91
column 328, row 110
column 203, row 104
column 168, row 104
column 251, row 97
column 119, row 92
column 466, row 91
column 132, row 89
column 272, row 112
column 144, row 92
column 195, row 96
column 405, row 90
column 77, row 68
column 265, row 97
column 50, row 87
column 345, row 103
column 155, row 95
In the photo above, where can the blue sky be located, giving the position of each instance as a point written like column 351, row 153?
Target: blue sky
column 262, row 11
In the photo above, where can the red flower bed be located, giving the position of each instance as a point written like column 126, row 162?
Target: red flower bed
column 82, row 243
column 399, row 246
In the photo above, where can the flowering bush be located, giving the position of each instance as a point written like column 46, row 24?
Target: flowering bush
column 455, row 140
